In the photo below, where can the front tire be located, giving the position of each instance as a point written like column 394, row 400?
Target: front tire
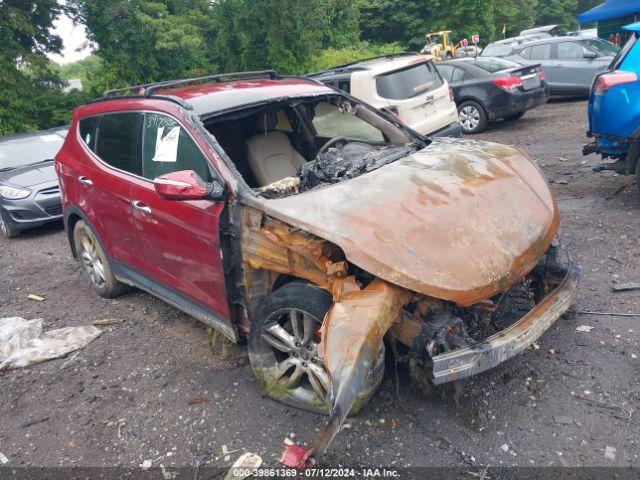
column 283, row 349
column 95, row 262
column 6, row 225
column 473, row 118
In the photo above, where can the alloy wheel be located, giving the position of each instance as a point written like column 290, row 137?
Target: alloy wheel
column 293, row 336
column 91, row 261
column 469, row 117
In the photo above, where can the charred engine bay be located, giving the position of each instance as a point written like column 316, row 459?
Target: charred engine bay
column 347, row 161
column 453, row 327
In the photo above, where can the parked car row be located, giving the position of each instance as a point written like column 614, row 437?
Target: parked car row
column 570, row 63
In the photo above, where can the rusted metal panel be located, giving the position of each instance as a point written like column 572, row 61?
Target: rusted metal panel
column 460, row 221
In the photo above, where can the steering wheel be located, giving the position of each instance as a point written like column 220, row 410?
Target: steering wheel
column 331, row 143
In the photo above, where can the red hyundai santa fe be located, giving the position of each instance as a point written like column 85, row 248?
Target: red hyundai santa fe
column 312, row 226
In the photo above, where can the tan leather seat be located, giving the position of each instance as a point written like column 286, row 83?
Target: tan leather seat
column 270, row 153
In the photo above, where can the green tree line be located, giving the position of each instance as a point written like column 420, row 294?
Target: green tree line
column 140, row 41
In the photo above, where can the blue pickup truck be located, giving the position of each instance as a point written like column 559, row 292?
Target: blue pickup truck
column 614, row 110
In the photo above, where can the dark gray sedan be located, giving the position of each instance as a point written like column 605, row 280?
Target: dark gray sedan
column 570, row 63
column 29, row 191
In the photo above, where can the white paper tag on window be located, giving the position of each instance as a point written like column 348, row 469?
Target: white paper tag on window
column 167, row 145
column 50, row 138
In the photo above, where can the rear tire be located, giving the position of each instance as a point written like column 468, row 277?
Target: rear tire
column 473, row 118
column 285, row 359
column 6, row 225
column 95, row 262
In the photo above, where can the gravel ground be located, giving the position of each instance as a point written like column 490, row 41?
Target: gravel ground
column 153, row 388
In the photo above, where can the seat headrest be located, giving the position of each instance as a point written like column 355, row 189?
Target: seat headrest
column 266, row 122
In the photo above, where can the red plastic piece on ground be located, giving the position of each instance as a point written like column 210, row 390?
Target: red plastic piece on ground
column 295, row 456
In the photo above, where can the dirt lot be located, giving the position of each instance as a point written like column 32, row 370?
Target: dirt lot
column 136, row 392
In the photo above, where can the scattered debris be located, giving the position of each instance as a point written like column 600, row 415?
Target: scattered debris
column 23, row 342
column 623, row 287
column 146, row 464
column 610, row 452
column 610, row 314
column 108, row 321
column 504, row 448
column 244, row 466
column 199, row 400
column 35, row 298
column 584, row 328
column 562, row 420
column 167, row 474
column 35, row 421
column 296, row 456
column 3, row 459
column 226, row 451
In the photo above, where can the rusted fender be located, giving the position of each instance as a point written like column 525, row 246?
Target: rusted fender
column 351, row 335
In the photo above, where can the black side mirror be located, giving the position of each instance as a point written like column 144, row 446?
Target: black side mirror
column 216, row 191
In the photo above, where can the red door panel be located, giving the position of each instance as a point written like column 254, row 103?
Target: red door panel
column 181, row 244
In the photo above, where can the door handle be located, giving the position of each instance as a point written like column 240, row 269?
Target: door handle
column 429, row 99
column 85, row 181
column 142, row 207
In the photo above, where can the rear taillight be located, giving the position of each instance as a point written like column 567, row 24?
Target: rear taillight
column 451, row 95
column 509, row 84
column 542, row 75
column 612, row 79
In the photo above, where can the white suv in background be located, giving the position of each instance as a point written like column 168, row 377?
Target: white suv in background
column 405, row 84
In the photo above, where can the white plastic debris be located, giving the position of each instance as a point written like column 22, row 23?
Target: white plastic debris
column 146, row 464
column 23, row 342
column 584, row 328
column 504, row 448
column 610, row 452
column 244, row 466
column 3, row 459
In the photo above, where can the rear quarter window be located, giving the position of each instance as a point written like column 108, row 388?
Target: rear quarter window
column 118, row 140
column 409, row 82
column 87, row 131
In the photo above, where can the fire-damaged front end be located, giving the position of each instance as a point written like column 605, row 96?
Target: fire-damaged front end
column 447, row 342
column 449, row 252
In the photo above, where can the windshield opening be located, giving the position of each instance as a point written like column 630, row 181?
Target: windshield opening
column 289, row 147
column 602, row 47
column 496, row 50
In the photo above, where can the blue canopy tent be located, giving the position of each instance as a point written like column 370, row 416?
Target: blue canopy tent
column 609, row 10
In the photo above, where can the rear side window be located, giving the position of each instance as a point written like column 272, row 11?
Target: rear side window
column 450, row 73
column 541, row 52
column 117, row 141
column 407, row 83
column 87, row 130
column 570, row 51
column 496, row 50
column 168, row 148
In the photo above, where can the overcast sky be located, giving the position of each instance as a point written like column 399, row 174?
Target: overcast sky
column 73, row 37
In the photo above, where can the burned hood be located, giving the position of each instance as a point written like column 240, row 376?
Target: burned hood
column 459, row 220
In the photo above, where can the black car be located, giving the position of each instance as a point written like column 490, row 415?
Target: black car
column 29, row 191
column 490, row 88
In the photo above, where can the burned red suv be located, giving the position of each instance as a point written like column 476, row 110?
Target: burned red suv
column 293, row 217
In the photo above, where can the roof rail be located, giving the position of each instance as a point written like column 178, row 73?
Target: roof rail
column 351, row 64
column 147, row 90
